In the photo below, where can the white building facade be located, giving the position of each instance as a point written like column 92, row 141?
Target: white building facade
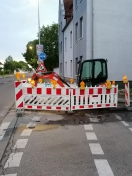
column 100, row 29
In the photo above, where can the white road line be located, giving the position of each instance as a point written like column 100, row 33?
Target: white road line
column 91, row 136
column 21, row 143
column 88, row 127
column 14, row 160
column 124, row 123
column 96, row 149
column 9, row 175
column 103, row 167
column 4, row 125
column 118, row 117
column 26, row 132
column 31, row 125
column 130, row 129
column 3, row 129
column 2, row 133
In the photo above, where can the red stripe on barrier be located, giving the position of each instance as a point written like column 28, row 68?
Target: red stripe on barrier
column 29, row 90
column 21, row 105
column 17, row 84
column 107, row 91
column 115, row 90
column 91, row 91
column 58, row 91
column 67, row 91
column 115, row 104
column 30, row 107
column 99, row 105
column 48, row 107
column 48, row 91
column 58, row 108
column 126, row 93
column 39, row 90
column 82, row 92
column 39, row 107
column 90, row 106
column 81, row 107
column 73, row 107
column 107, row 105
column 99, row 90
column 74, row 91
column 67, row 108
column 19, row 94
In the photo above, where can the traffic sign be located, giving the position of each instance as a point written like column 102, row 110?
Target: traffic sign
column 42, row 56
column 39, row 49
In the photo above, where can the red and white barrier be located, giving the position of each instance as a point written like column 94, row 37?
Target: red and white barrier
column 66, row 99
column 94, row 97
column 43, row 98
column 127, row 94
column 19, row 95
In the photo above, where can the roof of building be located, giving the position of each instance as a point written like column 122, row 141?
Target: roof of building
column 68, row 5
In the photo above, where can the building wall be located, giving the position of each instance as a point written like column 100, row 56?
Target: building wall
column 79, row 49
column 112, row 26
column 68, row 51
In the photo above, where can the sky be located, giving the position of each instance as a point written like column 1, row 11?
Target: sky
column 19, row 24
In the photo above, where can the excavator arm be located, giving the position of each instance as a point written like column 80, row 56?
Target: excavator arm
column 50, row 75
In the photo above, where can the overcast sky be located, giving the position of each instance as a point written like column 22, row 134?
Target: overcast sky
column 19, row 24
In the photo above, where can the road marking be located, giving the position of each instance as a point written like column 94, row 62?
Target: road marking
column 9, row 175
column 124, row 123
column 4, row 125
column 130, row 129
column 96, row 149
column 21, row 143
column 118, row 117
column 91, row 136
column 26, row 132
column 31, row 125
column 3, row 129
column 14, row 160
column 103, row 167
column 88, row 127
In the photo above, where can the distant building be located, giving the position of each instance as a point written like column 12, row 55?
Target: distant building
column 91, row 29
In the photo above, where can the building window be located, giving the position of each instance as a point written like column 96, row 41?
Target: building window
column 61, row 48
column 71, row 39
column 76, row 31
column 76, row 3
column 76, row 71
column 60, row 67
column 65, row 68
column 65, row 44
column 71, row 68
column 81, row 27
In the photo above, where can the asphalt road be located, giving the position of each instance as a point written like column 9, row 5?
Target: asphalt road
column 7, row 95
column 88, row 143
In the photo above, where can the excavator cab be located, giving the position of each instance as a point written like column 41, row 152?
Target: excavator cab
column 92, row 72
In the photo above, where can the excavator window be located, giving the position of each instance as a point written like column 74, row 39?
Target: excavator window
column 93, row 72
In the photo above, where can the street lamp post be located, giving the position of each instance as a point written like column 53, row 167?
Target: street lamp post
column 38, row 24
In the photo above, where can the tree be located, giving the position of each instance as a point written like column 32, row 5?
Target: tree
column 49, row 39
column 10, row 65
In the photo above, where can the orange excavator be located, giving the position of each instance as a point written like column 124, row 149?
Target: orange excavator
column 92, row 72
